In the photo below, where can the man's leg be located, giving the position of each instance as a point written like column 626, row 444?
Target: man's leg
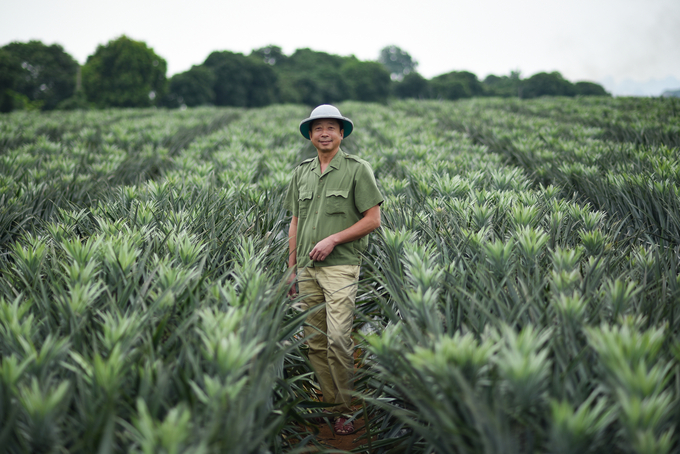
column 339, row 284
column 315, row 334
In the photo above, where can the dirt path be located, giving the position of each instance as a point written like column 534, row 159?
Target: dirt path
column 342, row 442
column 328, row 437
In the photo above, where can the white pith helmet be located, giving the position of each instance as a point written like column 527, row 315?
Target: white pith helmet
column 326, row 111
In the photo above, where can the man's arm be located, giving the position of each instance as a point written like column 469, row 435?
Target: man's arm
column 364, row 226
column 292, row 252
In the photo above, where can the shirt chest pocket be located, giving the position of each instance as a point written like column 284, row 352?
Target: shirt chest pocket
column 337, row 201
column 305, row 200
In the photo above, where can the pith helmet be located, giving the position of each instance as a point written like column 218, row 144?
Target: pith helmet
column 326, row 111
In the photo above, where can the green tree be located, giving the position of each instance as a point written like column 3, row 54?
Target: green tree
column 124, row 73
column 47, row 73
column 456, row 85
column 504, row 86
column 241, row 81
column 398, row 62
column 272, row 55
column 192, row 88
column 263, row 88
column 312, row 78
column 590, row 89
column 76, row 102
column 547, row 84
column 413, row 85
column 367, row 81
column 10, row 72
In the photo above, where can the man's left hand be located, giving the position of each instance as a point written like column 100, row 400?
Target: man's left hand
column 322, row 249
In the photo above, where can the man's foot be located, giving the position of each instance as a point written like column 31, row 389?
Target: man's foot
column 343, row 426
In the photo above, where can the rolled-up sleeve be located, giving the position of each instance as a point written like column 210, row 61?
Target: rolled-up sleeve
column 291, row 202
column 366, row 192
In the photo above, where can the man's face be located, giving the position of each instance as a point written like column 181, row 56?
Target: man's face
column 326, row 134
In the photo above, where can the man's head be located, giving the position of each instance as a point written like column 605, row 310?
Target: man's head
column 326, row 112
column 326, row 134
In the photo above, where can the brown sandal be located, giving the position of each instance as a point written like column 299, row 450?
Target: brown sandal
column 343, row 426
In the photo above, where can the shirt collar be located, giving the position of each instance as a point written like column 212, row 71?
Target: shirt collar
column 335, row 162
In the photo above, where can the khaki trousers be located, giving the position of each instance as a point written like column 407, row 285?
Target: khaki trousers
column 331, row 348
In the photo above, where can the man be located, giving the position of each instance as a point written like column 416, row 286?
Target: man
column 335, row 204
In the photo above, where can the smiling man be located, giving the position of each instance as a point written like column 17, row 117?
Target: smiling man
column 335, row 204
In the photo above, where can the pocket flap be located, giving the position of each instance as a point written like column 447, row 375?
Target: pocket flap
column 305, row 195
column 338, row 193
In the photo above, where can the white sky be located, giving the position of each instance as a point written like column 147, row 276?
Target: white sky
column 593, row 40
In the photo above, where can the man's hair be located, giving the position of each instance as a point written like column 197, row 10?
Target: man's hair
column 341, row 125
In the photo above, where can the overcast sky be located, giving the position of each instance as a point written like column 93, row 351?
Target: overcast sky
column 615, row 42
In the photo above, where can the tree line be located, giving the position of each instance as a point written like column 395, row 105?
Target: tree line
column 128, row 73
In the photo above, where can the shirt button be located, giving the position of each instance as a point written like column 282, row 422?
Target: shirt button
column 313, row 228
column 318, row 196
column 316, row 212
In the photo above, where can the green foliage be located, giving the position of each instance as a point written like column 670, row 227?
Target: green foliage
column 589, row 89
column 366, row 81
column 413, row 85
column 398, row 62
column 76, row 102
column 10, row 72
column 520, row 296
column 22, row 102
column 46, row 77
column 134, row 331
column 312, row 78
column 241, row 81
column 547, row 84
column 504, row 86
column 580, row 430
column 192, row 88
column 124, row 73
column 271, row 55
column 456, row 85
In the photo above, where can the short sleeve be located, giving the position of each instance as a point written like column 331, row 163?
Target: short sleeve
column 366, row 192
column 291, row 202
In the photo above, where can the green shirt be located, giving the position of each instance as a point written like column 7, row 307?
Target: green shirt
column 329, row 203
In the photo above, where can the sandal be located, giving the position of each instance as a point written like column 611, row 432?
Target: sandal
column 343, row 426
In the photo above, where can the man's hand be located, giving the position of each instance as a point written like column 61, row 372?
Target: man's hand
column 368, row 223
column 292, row 255
column 291, row 282
column 322, row 249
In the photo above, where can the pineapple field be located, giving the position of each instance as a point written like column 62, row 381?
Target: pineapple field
column 522, row 295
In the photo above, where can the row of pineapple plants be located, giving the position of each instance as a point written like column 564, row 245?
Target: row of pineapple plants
column 513, row 313
column 152, row 317
column 632, row 174
column 515, row 316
